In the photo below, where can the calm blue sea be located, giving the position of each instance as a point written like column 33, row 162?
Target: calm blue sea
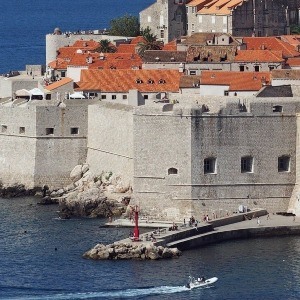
column 31, row 268
column 24, row 24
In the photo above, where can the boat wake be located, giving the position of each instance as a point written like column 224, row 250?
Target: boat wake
column 120, row 294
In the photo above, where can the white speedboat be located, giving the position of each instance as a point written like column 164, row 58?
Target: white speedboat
column 200, row 282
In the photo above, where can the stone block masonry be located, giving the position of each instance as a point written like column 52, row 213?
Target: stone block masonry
column 41, row 143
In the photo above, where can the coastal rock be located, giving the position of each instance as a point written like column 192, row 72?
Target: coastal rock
column 88, row 195
column 17, row 190
column 47, row 201
column 76, row 173
column 85, row 168
column 121, row 251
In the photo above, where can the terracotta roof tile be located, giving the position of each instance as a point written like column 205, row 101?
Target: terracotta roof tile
column 293, row 61
column 125, row 80
column 58, row 83
column 171, row 46
column 237, row 81
column 215, row 7
column 270, row 43
column 126, row 48
column 93, row 61
column 286, row 74
column 258, row 56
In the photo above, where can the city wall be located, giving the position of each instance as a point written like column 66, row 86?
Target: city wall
column 110, row 139
column 33, row 155
column 182, row 138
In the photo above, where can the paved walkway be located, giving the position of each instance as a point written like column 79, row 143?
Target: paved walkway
column 273, row 221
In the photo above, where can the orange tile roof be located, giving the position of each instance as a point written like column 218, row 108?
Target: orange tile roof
column 293, row 61
column 91, row 44
column 136, row 40
column 126, row 48
column 171, row 46
column 293, row 40
column 58, row 83
column 258, row 56
column 237, row 81
column 58, row 64
column 111, row 60
column 270, row 43
column 119, row 81
column 215, row 7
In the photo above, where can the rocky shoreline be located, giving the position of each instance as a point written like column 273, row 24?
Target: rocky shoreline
column 131, row 250
column 92, row 196
column 88, row 195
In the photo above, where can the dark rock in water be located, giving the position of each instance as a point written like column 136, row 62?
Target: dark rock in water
column 48, row 201
column 17, row 190
column 121, row 251
column 96, row 208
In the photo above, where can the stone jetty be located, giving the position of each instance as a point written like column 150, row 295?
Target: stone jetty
column 131, row 250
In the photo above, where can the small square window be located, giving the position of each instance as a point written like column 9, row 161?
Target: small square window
column 124, row 97
column 242, row 68
column 284, row 164
column 49, row 131
column 146, row 97
column 247, row 164
column 256, row 68
column 226, row 93
column 74, row 130
column 172, row 171
column 192, row 72
column 103, row 96
column 210, row 165
column 113, row 97
column 3, row 128
column 22, row 130
column 277, row 108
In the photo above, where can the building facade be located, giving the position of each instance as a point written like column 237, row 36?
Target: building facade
column 169, row 19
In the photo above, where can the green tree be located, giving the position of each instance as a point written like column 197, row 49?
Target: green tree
column 149, row 43
column 295, row 29
column 125, row 26
column 106, row 47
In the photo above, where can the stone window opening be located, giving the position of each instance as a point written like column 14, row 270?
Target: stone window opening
column 74, row 130
column 172, row 171
column 277, row 108
column 49, row 131
column 284, row 163
column 3, row 128
column 103, row 96
column 210, row 165
column 124, row 97
column 247, row 164
column 22, row 130
column 113, row 97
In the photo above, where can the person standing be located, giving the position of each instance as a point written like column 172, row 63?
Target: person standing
column 258, row 221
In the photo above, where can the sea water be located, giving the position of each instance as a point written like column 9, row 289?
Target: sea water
column 24, row 24
column 41, row 258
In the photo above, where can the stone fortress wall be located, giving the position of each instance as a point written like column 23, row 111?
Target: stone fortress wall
column 160, row 149
column 110, row 140
column 182, row 138
column 37, row 144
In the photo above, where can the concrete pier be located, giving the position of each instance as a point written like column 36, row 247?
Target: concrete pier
column 252, row 224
